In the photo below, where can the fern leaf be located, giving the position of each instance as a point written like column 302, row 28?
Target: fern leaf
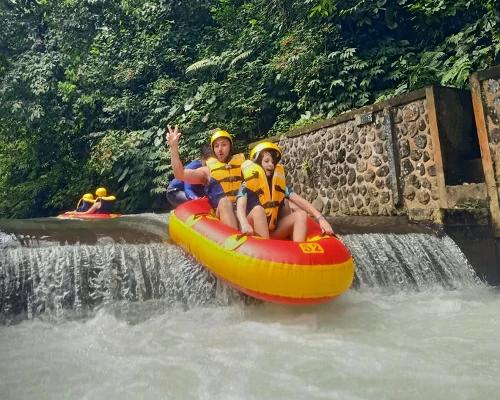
column 203, row 64
column 240, row 57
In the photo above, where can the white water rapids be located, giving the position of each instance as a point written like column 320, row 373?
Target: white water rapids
column 362, row 345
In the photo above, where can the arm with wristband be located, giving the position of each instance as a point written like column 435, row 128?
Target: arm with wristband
column 311, row 210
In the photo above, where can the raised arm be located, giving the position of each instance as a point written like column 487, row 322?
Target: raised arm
column 195, row 176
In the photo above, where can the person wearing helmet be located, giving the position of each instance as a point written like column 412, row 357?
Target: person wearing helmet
column 103, row 204
column 178, row 192
column 221, row 176
column 262, row 196
column 85, row 202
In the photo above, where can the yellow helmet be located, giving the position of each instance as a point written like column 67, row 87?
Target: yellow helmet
column 88, row 197
column 218, row 134
column 101, row 192
column 254, row 154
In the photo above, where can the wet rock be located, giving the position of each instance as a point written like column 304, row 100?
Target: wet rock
column 420, row 169
column 401, row 131
column 372, row 192
column 416, row 155
column 378, row 147
column 344, row 208
column 426, row 184
column 361, row 166
column 389, row 182
column 410, row 112
column 367, row 152
column 326, row 208
column 383, row 171
column 385, row 197
column 341, row 156
column 350, row 200
column 493, row 86
column 318, row 204
column 413, row 181
column 422, row 125
column 404, row 148
column 327, row 170
column 421, row 141
column 406, row 167
column 351, row 158
column 376, row 161
column 351, row 177
column 495, row 136
column 423, row 197
column 343, row 180
column 409, row 193
column 350, row 144
column 374, row 208
column 369, row 176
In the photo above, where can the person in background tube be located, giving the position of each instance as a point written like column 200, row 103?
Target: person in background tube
column 103, row 204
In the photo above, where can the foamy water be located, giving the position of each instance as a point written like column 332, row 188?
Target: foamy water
column 362, row 345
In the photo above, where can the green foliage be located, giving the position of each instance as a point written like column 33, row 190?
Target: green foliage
column 87, row 87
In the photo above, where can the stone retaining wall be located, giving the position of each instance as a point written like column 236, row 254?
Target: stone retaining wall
column 384, row 159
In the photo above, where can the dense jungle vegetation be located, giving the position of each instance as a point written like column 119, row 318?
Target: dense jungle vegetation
column 87, row 86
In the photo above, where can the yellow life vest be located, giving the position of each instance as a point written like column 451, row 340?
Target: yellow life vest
column 106, row 198
column 227, row 174
column 256, row 181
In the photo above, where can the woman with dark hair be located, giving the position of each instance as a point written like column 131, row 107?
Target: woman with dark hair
column 262, row 196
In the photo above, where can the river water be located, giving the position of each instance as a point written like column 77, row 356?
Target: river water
column 418, row 324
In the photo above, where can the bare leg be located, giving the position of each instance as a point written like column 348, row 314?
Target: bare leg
column 226, row 213
column 294, row 224
column 257, row 218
